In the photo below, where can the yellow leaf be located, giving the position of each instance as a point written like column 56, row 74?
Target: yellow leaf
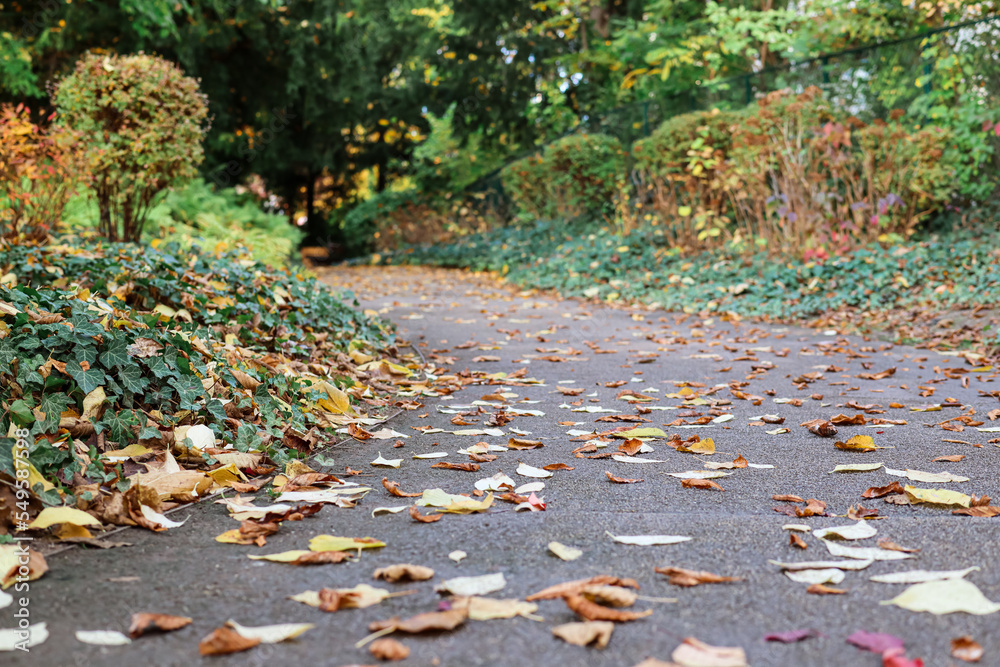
column 335, row 543
column 51, row 516
column 226, row 475
column 937, row 496
column 92, row 403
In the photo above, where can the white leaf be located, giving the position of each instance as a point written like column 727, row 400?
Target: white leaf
column 864, row 553
column 699, row 474
column 6, row 599
column 647, row 540
column 930, row 477
column 722, row 419
column 33, row 635
column 495, row 483
column 271, row 634
column 378, row 511
column 391, row 463
column 102, row 637
column 824, row 564
column 945, row 597
column 622, row 458
column 155, row 517
column 858, row 467
column 432, row 455
column 468, row 586
column 334, row 495
column 800, row 527
column 859, row 531
column 525, row 470
column 565, row 552
column 530, row 487
column 457, row 555
column 825, row 576
column 921, row 576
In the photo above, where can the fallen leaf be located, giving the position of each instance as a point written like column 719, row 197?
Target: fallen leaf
column 558, row 466
column 432, row 621
column 564, row 552
column 820, row 427
column 922, row 576
column 465, row 467
column 334, row 543
column 796, row 541
column 271, row 634
column 876, row 642
column 647, row 540
column 896, row 657
column 487, row 609
column 966, row 649
column 458, row 555
column 706, row 484
column 144, row 623
column 404, row 572
column 388, row 463
column 335, row 599
column 944, row 497
column 858, row 531
column 787, row 498
column 51, row 516
column 592, row 611
column 102, row 637
column 823, row 589
column 424, row 518
column 858, row 443
column 858, row 467
column 388, row 648
column 986, row 511
column 822, row 576
column 621, row 480
column 10, row 565
column 222, row 641
column 577, row 585
column 695, row 653
column 470, row 586
column 792, row 636
column 610, row 596
column 863, row 553
column 679, row 576
column 927, row 477
column 824, row 564
column 597, row 633
column 706, row 446
column 885, row 543
column 944, row 597
column 303, row 557
column 13, row 639
column 879, row 491
column 953, row 458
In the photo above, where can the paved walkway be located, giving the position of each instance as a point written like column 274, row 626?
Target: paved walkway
column 695, row 370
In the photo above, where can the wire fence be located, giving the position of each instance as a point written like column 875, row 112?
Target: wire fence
column 869, row 82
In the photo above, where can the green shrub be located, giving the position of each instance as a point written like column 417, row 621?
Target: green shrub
column 524, row 182
column 143, row 122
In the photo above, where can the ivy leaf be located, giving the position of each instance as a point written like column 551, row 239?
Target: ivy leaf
column 52, row 405
column 116, row 355
column 118, row 425
column 247, row 438
column 88, row 380
column 20, row 410
column 189, row 389
column 131, row 378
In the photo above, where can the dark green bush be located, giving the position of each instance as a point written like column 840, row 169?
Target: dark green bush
column 143, row 122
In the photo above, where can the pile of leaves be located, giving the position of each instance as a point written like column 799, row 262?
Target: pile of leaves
column 877, row 286
column 123, row 360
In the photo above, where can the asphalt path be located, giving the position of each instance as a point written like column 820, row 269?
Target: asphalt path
column 735, row 532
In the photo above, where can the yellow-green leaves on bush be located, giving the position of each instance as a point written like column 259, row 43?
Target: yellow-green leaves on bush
column 143, row 122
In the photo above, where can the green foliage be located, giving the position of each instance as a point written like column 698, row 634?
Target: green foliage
column 144, row 122
column 578, row 175
column 16, row 75
column 166, row 333
column 198, row 215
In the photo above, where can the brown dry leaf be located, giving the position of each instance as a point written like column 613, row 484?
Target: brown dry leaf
column 953, row 458
column 577, row 585
column 966, row 649
column 857, row 443
column 813, row 508
column 985, row 511
column 226, row 640
column 820, row 427
column 886, row 543
column 522, row 443
column 696, row 653
column 387, row 648
column 404, row 572
column 844, row 420
column 557, row 466
column 823, row 589
column 706, row 484
column 482, row 458
column 740, row 462
column 595, row 612
column 679, row 576
column 465, row 467
column 610, row 596
column 796, row 541
column 597, row 633
column 357, row 432
column 423, row 518
column 144, row 623
column 36, row 566
column 788, row 498
column 630, row 447
column 879, row 491
column 321, row 558
column 621, row 480
column 393, row 489
column 858, row 513
column 569, row 391
column 428, row 622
